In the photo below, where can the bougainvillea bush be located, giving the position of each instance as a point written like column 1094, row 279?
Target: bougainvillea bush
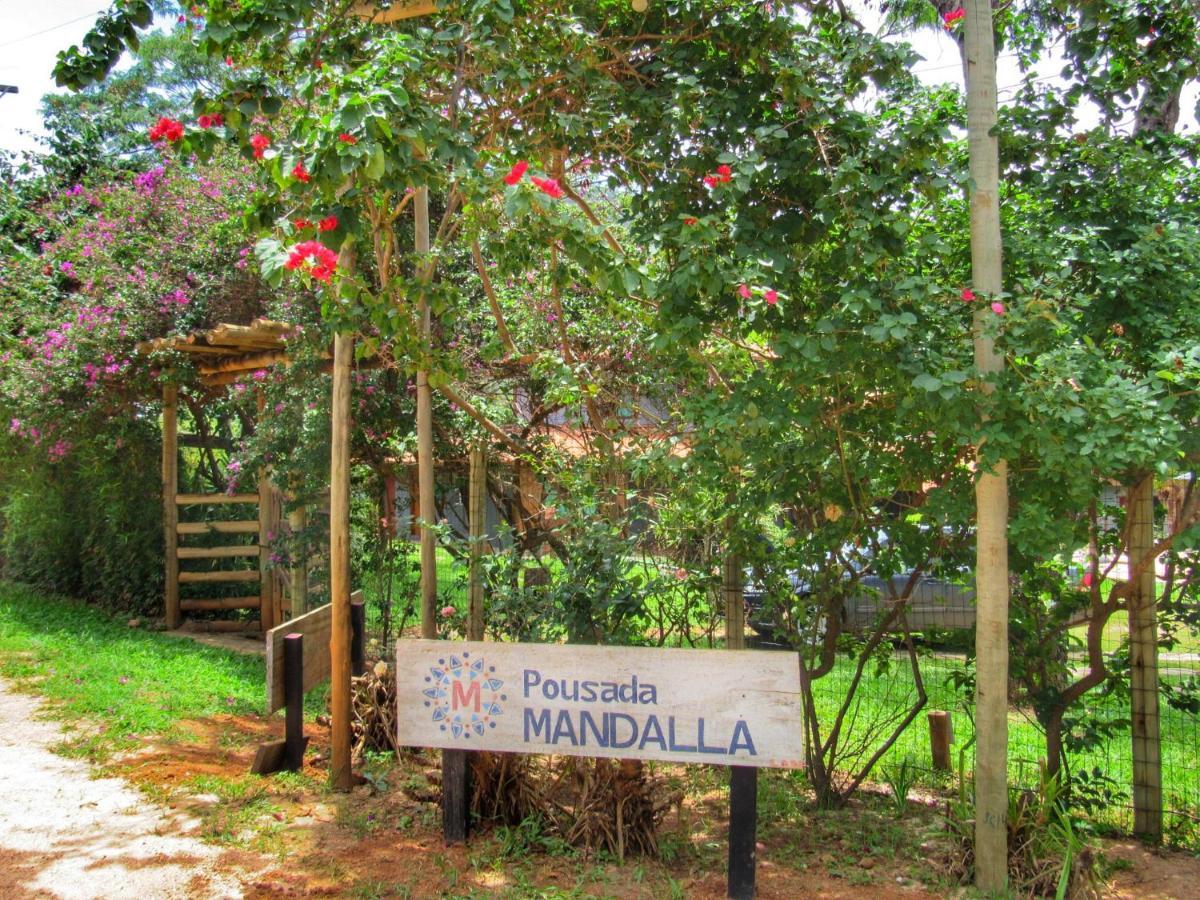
column 118, row 260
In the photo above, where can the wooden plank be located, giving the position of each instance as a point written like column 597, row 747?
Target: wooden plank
column 699, row 706
column 298, row 580
column 214, row 499
column 315, row 626
column 170, row 484
column 245, row 363
column 216, row 552
column 218, row 604
column 218, row 576
column 394, row 13
column 239, row 526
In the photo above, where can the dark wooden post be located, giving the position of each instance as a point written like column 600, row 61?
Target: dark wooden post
column 743, row 780
column 293, row 679
column 1143, row 660
column 940, row 737
column 476, row 515
column 358, row 633
column 456, row 796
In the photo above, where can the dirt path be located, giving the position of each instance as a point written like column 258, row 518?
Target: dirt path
column 66, row 834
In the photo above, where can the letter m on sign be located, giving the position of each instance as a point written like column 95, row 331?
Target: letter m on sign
column 460, row 698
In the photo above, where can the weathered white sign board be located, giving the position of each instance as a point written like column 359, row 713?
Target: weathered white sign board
column 699, row 706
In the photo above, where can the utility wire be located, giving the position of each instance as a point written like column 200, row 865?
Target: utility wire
column 27, row 37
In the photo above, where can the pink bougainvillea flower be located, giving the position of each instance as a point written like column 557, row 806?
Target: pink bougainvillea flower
column 549, row 187
column 771, row 296
column 300, row 173
column 329, row 223
column 516, row 173
column 229, row 61
column 347, row 138
column 260, row 143
column 744, row 291
column 967, row 295
column 1087, row 580
column 953, row 16
column 448, row 611
column 167, row 129
column 998, row 308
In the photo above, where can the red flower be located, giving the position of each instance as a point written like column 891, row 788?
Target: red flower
column 329, row 223
column 724, row 173
column 744, row 291
column 548, row 186
column 325, row 260
column 301, row 223
column 168, row 129
column 347, row 138
column 711, row 180
column 967, row 295
column 259, row 142
column 229, row 61
column 300, row 173
column 954, row 15
column 516, row 173
column 1087, row 579
column 318, row 64
column 216, row 120
column 998, row 308
column 294, row 261
column 772, row 297
column 690, row 220
column 322, row 273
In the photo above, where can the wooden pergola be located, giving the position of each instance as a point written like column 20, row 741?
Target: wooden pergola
column 224, row 354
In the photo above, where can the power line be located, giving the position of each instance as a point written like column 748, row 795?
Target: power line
column 27, row 37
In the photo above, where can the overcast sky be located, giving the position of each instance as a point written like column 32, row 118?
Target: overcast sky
column 33, row 31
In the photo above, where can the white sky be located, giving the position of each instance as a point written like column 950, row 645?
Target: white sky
column 32, row 34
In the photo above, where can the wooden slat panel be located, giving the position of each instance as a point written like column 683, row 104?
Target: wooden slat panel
column 316, row 627
column 193, row 499
column 222, row 603
column 240, row 526
column 197, row 577
column 216, row 552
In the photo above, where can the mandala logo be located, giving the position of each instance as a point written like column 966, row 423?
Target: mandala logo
column 464, row 695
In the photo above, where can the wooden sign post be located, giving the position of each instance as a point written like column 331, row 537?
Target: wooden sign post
column 739, row 708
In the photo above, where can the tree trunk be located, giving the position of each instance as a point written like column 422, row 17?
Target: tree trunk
column 991, row 490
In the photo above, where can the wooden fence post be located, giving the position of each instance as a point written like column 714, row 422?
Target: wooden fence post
column 293, row 674
column 425, row 473
column 991, row 488
column 940, row 737
column 339, row 565
column 743, row 780
column 170, row 487
column 1143, row 659
column 477, row 523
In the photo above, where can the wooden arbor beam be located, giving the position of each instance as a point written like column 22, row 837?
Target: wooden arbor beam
column 394, row 13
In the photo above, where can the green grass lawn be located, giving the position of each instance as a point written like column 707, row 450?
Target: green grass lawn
column 126, row 682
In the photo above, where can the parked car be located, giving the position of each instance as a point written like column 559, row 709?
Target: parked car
column 935, row 601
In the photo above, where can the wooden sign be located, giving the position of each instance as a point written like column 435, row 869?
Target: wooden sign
column 739, row 708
